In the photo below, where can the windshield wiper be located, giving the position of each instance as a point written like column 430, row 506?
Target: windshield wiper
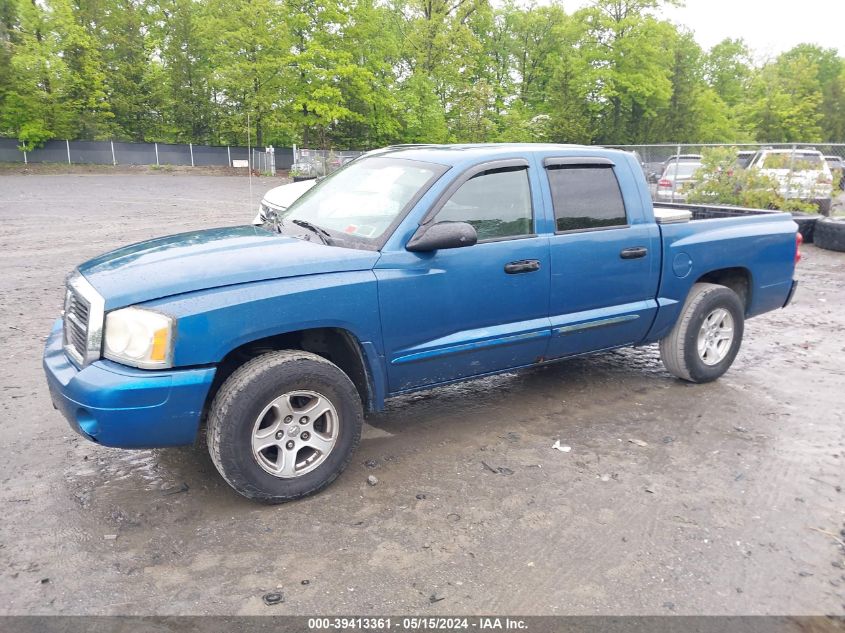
column 323, row 234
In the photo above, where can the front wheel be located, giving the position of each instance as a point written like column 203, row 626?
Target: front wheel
column 706, row 337
column 284, row 425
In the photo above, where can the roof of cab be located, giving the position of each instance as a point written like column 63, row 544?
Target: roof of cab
column 453, row 155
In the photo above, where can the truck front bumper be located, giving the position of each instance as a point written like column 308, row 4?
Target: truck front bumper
column 115, row 405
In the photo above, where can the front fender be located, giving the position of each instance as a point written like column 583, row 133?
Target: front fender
column 212, row 323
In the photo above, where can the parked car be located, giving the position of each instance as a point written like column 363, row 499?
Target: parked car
column 403, row 271
column 801, row 175
column 837, row 169
column 678, row 177
column 744, row 158
column 682, row 158
column 653, row 172
column 278, row 199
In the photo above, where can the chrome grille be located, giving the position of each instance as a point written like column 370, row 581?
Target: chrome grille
column 83, row 321
column 76, row 324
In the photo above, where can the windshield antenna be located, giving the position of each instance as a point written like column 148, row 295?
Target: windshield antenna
column 249, row 160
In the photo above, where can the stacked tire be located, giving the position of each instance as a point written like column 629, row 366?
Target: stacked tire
column 829, row 233
column 806, row 224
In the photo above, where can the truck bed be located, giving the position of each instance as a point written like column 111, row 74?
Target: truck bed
column 756, row 244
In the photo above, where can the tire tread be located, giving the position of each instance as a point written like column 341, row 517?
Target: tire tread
column 830, row 234
column 224, row 399
column 673, row 346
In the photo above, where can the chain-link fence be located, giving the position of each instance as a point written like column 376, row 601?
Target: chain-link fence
column 802, row 175
column 313, row 163
column 123, row 153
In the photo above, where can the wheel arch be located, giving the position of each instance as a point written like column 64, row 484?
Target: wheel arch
column 338, row 345
column 737, row 278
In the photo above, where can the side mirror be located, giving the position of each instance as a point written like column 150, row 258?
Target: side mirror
column 433, row 237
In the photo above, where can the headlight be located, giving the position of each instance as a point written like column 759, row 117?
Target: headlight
column 138, row 337
column 268, row 212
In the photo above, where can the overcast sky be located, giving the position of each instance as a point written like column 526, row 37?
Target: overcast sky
column 769, row 27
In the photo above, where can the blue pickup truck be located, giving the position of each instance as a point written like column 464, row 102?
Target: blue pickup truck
column 409, row 268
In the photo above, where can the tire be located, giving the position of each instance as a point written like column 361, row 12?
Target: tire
column 806, row 224
column 680, row 349
column 824, row 205
column 257, row 399
column 830, row 234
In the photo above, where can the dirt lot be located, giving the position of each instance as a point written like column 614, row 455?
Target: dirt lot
column 733, row 506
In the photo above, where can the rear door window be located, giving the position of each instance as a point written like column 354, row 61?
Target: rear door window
column 586, row 197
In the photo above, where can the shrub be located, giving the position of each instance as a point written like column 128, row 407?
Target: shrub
column 721, row 181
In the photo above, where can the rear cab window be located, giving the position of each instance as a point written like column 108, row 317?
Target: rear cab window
column 799, row 161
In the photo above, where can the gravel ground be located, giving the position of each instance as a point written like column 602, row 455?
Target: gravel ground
column 729, row 502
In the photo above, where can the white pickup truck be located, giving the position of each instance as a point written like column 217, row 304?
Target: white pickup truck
column 802, row 174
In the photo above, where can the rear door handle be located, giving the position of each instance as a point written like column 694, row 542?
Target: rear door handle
column 634, row 253
column 522, row 266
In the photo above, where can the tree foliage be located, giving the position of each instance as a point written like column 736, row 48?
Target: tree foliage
column 366, row 73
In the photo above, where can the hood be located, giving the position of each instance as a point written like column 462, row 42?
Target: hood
column 207, row 259
column 284, row 196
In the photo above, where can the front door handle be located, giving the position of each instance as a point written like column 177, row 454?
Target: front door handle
column 634, row 253
column 522, row 266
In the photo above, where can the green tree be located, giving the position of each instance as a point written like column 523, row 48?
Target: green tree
column 571, row 94
column 366, row 73
column 85, row 111
column 783, row 103
column 8, row 20
column 180, row 79
column 632, row 54
column 830, row 68
column 441, row 46
column 122, row 39
column 728, row 70
column 30, row 109
column 372, row 40
column 423, row 119
column 695, row 111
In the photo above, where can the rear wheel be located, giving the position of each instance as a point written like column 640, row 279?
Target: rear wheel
column 707, row 335
column 284, row 426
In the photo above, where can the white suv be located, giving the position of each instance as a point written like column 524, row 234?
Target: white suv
column 802, row 174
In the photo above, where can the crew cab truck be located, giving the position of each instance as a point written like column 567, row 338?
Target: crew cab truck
column 402, row 271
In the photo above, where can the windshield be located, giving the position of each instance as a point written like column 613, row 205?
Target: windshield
column 797, row 161
column 363, row 199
